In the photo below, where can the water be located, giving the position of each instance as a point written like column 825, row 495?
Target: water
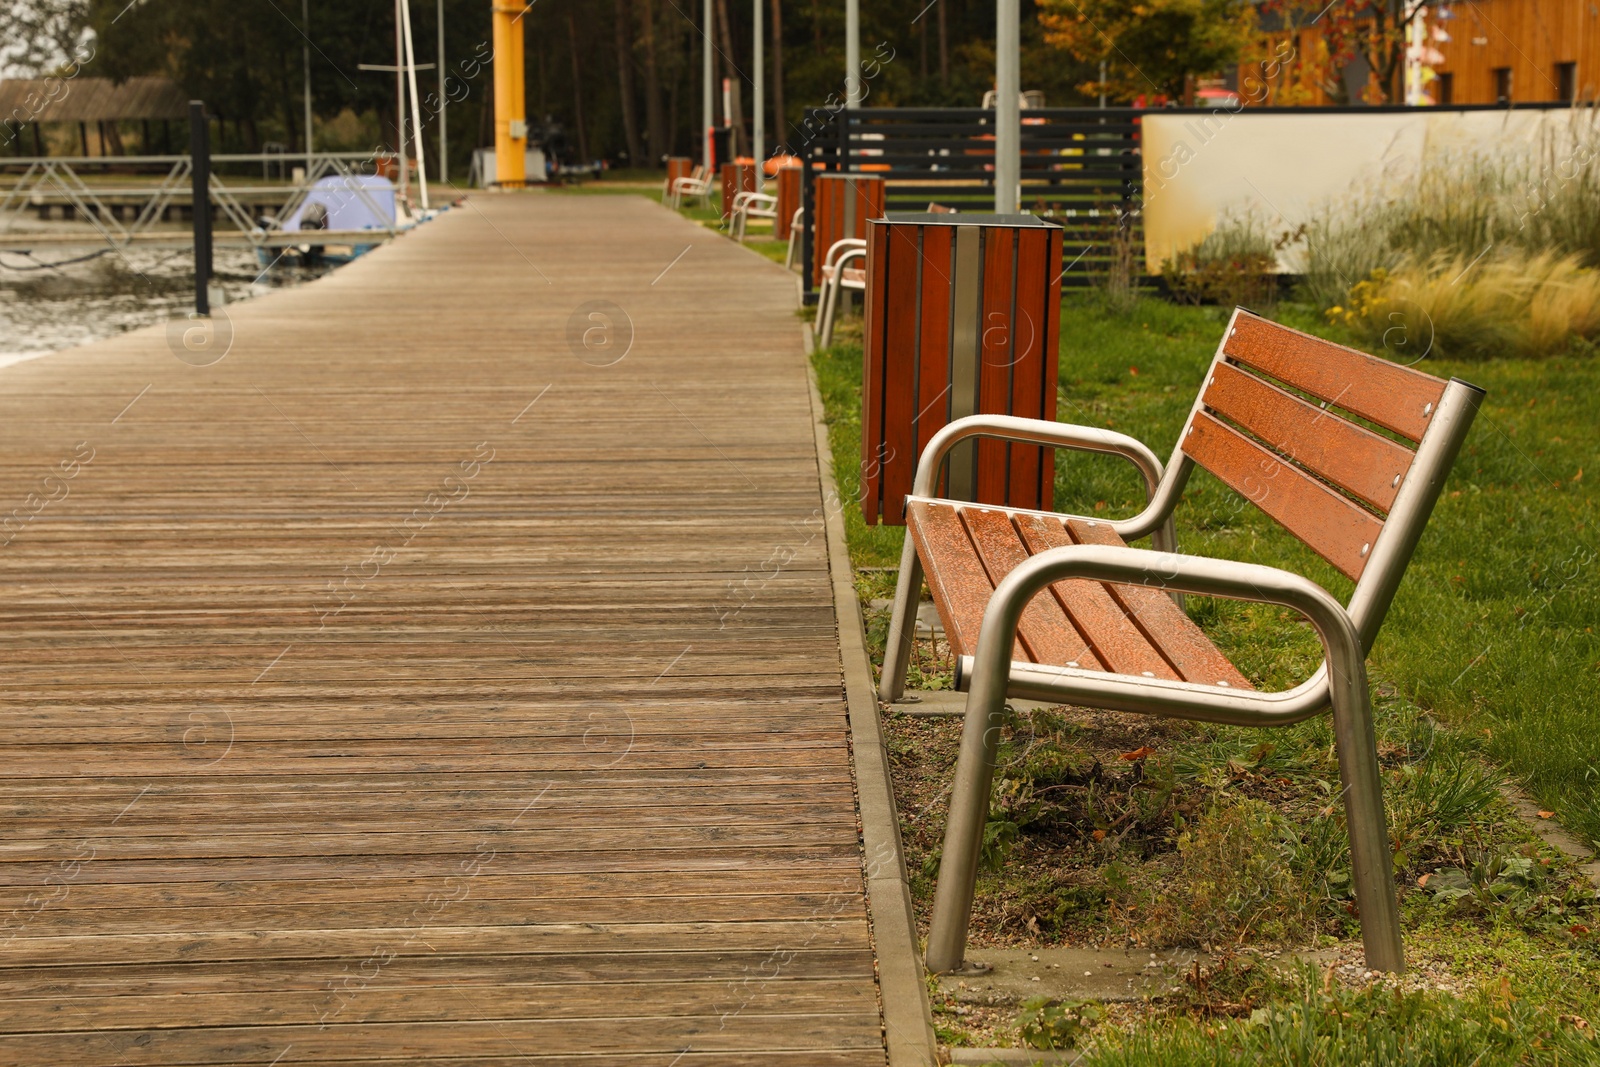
column 63, row 305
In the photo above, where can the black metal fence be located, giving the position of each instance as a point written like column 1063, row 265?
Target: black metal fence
column 1080, row 166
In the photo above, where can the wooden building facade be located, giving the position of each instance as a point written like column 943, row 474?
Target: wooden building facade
column 1497, row 52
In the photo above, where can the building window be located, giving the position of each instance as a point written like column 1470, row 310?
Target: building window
column 1566, row 82
column 1502, row 85
column 1444, row 91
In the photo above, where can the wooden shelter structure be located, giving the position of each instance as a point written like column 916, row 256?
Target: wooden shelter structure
column 98, row 102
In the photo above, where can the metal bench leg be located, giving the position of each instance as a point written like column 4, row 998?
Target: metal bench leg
column 969, row 800
column 788, row 257
column 1371, row 860
column 830, row 300
column 902, row 625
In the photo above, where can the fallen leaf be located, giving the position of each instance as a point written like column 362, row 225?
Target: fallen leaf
column 1135, row 372
column 1578, row 928
column 1579, row 476
column 1546, row 814
column 1422, row 882
column 1139, row 753
column 1099, row 835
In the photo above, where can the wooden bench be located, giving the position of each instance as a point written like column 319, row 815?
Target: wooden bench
column 746, row 204
column 698, row 183
column 796, row 232
column 837, row 276
column 1347, row 452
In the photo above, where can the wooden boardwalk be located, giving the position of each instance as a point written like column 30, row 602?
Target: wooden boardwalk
column 411, row 685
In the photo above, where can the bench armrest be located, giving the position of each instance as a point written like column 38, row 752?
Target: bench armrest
column 845, row 257
column 749, row 199
column 840, row 247
column 1344, row 664
column 1056, row 435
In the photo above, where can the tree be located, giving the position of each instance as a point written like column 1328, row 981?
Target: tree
column 1150, row 47
column 39, row 36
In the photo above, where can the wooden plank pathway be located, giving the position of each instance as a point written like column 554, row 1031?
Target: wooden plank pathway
column 437, row 677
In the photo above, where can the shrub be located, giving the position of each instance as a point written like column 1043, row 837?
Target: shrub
column 1233, row 265
column 1237, row 880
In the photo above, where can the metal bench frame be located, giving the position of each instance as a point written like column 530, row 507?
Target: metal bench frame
column 796, row 224
column 835, row 280
column 698, row 183
column 746, row 204
column 1345, row 631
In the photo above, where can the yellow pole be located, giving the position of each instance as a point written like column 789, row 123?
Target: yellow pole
column 510, row 99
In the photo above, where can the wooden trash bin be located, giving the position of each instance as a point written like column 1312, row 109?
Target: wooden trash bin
column 736, row 178
column 963, row 317
column 844, row 204
column 788, row 201
column 677, row 167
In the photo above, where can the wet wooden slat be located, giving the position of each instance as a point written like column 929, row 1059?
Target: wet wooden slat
column 1338, row 530
column 1045, row 630
column 1119, row 645
column 1350, row 456
column 1395, row 397
column 954, row 572
column 1164, row 624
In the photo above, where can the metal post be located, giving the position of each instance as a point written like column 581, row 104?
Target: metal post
column 200, row 174
column 444, row 140
column 1007, row 120
column 760, row 132
column 400, row 103
column 416, row 107
column 305, row 53
column 510, row 99
column 852, row 53
column 707, row 87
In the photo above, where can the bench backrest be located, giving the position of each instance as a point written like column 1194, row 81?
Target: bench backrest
column 1296, row 425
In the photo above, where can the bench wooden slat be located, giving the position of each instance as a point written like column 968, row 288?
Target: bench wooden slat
column 1336, row 528
column 1164, row 624
column 1395, row 397
column 1046, row 630
column 1350, row 456
column 1119, row 645
column 961, row 586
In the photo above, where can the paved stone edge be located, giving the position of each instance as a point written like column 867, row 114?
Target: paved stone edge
column 907, row 1014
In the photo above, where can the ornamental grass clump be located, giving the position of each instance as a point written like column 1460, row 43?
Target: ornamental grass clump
column 1518, row 303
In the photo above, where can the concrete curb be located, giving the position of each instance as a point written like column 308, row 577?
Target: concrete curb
column 907, row 1015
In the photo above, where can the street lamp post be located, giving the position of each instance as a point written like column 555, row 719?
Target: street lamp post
column 852, row 53
column 706, row 89
column 1007, row 119
column 760, row 103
